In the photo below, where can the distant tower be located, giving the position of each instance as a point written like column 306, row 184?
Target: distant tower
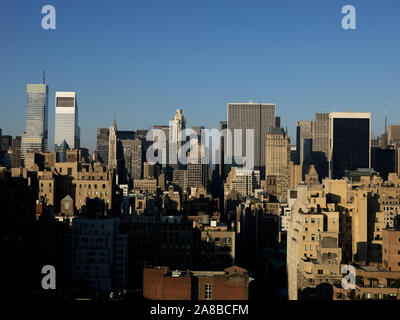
column 386, row 121
column 349, row 142
column 36, row 132
column 112, row 145
column 66, row 120
column 177, row 125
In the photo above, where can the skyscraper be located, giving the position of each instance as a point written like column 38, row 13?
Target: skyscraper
column 277, row 158
column 177, row 125
column 102, row 144
column 16, row 152
column 36, row 132
column 222, row 150
column 257, row 116
column 320, row 143
column 394, row 134
column 66, row 126
column 112, row 146
column 133, row 158
column 303, row 137
column 350, row 142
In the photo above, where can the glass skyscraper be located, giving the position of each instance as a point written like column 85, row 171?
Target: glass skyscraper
column 66, row 124
column 349, row 142
column 36, row 133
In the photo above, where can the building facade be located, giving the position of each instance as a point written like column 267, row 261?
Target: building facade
column 36, row 132
column 66, row 120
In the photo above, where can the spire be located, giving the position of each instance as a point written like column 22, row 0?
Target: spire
column 114, row 121
column 385, row 120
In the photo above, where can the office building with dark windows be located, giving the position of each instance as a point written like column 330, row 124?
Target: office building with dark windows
column 349, row 142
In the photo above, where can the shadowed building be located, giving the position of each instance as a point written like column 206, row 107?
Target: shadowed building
column 350, row 142
column 257, row 116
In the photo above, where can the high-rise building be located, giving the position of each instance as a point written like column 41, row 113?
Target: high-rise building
column 222, row 150
column 394, row 134
column 196, row 170
column 177, row 125
column 257, row 116
column 6, row 142
column 16, row 152
column 102, row 144
column 133, row 158
column 66, row 125
column 320, row 143
column 350, row 142
column 165, row 153
column 36, row 132
column 303, row 138
column 277, row 158
column 112, row 146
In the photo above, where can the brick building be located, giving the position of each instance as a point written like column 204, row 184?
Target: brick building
column 160, row 283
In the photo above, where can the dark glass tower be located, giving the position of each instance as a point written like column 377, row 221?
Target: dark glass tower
column 349, row 142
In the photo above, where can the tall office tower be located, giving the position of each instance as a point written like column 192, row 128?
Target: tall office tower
column 257, row 116
column 36, row 132
column 102, row 144
column 277, row 159
column 350, row 142
column 177, row 125
column 16, row 152
column 394, row 134
column 320, row 143
column 133, row 158
column 165, row 155
column 66, row 126
column 303, row 132
column 6, row 142
column 222, row 150
column 112, row 145
column 197, row 172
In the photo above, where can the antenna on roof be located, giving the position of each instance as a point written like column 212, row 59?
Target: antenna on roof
column 385, row 120
column 44, row 76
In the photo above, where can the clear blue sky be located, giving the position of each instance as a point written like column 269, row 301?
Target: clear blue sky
column 143, row 59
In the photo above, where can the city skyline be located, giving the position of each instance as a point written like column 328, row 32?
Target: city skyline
column 294, row 75
column 219, row 155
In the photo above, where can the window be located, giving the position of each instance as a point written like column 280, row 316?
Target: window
column 208, row 291
column 320, row 271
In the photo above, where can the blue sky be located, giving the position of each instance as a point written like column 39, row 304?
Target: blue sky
column 143, row 59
